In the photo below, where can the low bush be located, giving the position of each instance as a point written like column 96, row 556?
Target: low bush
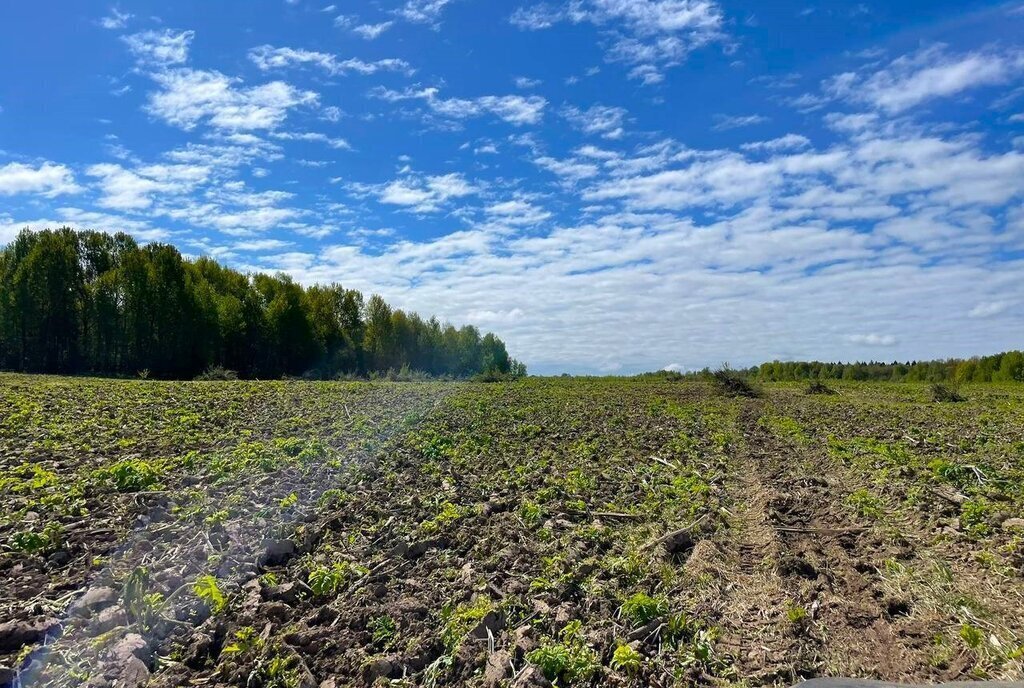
column 946, row 393
column 216, row 373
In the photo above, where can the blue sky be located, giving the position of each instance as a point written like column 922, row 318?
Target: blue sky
column 611, row 186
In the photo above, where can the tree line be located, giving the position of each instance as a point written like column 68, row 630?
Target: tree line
column 92, row 302
column 1003, row 367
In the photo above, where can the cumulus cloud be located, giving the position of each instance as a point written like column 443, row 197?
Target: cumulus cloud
column 422, row 11
column 648, row 35
column 930, row 73
column 188, row 97
column 601, row 120
column 160, row 48
column 47, row 179
column 419, row 193
column 115, row 20
column 514, row 109
column 372, row 31
column 267, row 57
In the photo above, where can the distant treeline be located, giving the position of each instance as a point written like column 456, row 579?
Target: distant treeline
column 90, row 302
column 1004, row 367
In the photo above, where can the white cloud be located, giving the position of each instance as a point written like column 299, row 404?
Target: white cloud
column 516, row 110
column 115, row 20
column 526, row 82
column 160, row 48
column 372, row 31
column 422, row 11
column 422, row 194
column 189, row 97
column 925, row 75
column 48, row 180
column 787, row 142
column 333, row 142
column 125, row 189
column 267, row 57
column 650, row 35
column 726, row 122
column 601, row 120
column 872, row 339
column 517, row 212
column 987, row 309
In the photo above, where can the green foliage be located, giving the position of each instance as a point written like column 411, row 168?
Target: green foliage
column 325, row 581
column 972, row 636
column 207, row 589
column 626, row 659
column 383, row 630
column 132, row 475
column 641, row 608
column 974, row 516
column 1004, row 367
column 461, row 619
column 865, row 503
column 143, row 607
column 796, row 613
column 447, row 515
column 33, row 541
column 569, row 660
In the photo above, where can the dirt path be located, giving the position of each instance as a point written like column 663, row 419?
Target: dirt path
column 805, row 597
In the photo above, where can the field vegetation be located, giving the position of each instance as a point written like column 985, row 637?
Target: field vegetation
column 583, row 532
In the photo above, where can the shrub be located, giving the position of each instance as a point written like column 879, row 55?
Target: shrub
column 946, row 393
column 216, row 373
column 819, row 387
column 733, row 384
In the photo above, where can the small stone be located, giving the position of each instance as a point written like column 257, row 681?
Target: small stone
column 133, row 673
column 1013, row 523
column 498, row 667
column 132, row 645
column 109, row 619
column 378, row 668
column 199, row 651
column 15, row 635
column 328, row 683
column 289, row 593
column 277, row 552
column 531, row 677
column 492, row 621
column 93, row 600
